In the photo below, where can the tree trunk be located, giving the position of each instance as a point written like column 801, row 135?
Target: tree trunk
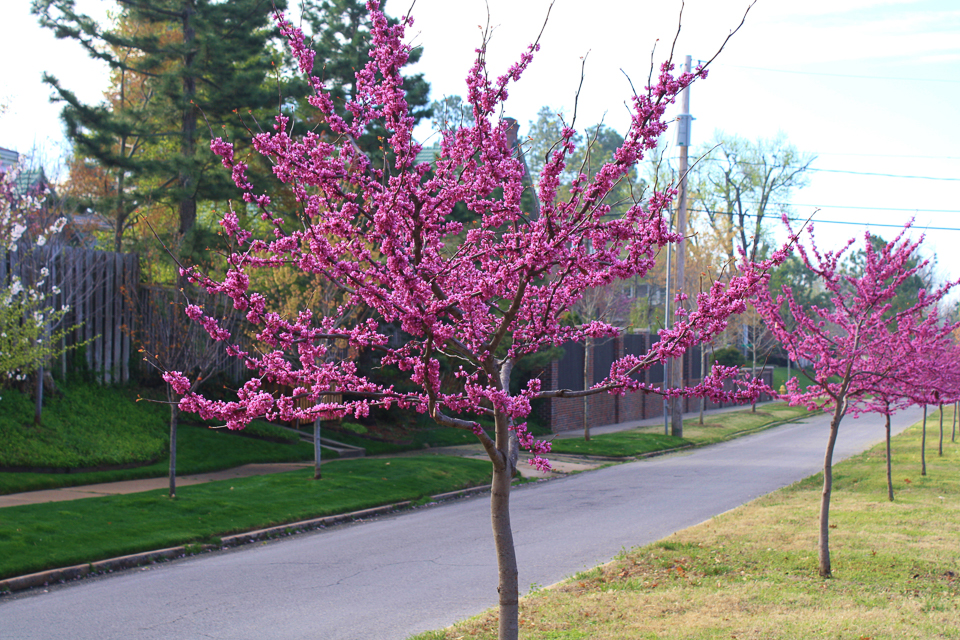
column 119, row 216
column 38, row 406
column 889, row 466
column 753, row 368
column 174, row 410
column 676, row 404
column 923, row 444
column 508, row 586
column 504, row 468
column 186, row 180
column 953, row 436
column 316, row 449
column 940, row 449
column 824, row 546
column 703, row 374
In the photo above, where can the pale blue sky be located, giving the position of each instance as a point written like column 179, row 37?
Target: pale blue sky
column 869, row 86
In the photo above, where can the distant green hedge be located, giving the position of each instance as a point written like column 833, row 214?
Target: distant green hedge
column 85, row 426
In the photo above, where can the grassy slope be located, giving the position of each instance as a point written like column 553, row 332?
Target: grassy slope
column 199, row 450
column 91, row 426
column 84, row 426
column 43, row 536
column 752, row 573
column 780, row 377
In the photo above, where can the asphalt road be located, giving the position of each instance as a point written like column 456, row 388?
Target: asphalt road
column 425, row 569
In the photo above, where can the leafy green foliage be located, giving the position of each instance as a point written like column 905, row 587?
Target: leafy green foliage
column 907, row 291
column 739, row 181
column 24, row 344
column 450, row 114
column 341, row 37
column 728, row 357
column 179, row 68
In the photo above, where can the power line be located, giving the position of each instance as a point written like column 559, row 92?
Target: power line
column 874, row 224
column 849, row 222
column 842, row 75
column 844, row 206
column 884, row 175
column 882, row 155
column 845, row 171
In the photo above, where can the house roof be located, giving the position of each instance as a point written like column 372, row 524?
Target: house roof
column 428, row 154
column 8, row 159
column 31, row 180
column 27, row 180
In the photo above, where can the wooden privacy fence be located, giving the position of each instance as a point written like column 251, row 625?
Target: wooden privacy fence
column 112, row 314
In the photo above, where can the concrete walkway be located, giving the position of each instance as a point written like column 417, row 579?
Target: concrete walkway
column 562, row 465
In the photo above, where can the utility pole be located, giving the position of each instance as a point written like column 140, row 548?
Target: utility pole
column 683, row 141
column 666, row 365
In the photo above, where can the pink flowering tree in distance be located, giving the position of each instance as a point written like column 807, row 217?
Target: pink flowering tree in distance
column 951, row 385
column 854, row 347
column 934, row 382
column 923, row 370
column 479, row 294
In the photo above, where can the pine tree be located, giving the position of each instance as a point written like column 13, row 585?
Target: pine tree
column 341, row 39
column 175, row 64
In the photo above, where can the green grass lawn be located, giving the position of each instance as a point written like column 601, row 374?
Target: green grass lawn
column 780, row 377
column 751, row 573
column 44, row 536
column 717, row 427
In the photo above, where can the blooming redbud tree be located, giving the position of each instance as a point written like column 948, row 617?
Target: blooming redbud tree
column 932, row 378
column 479, row 294
column 947, row 373
column 859, row 346
column 923, row 371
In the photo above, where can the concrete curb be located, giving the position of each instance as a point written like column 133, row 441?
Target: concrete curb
column 63, row 574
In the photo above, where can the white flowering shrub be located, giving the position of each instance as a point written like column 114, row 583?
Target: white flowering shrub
column 26, row 312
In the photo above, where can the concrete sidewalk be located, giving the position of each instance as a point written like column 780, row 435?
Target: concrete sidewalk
column 562, row 465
